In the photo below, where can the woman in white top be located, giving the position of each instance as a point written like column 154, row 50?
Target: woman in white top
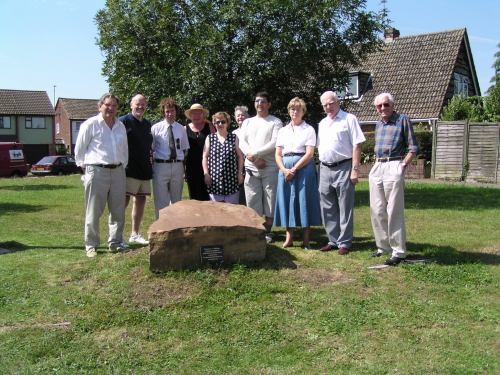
column 297, row 197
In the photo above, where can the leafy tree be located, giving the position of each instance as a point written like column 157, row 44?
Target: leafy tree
column 495, row 80
column 220, row 53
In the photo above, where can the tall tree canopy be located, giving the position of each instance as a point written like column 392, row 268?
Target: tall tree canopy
column 221, row 52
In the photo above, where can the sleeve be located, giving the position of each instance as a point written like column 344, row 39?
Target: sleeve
column 310, row 137
column 82, row 141
column 355, row 130
column 410, row 138
column 242, row 138
column 280, row 139
column 184, row 140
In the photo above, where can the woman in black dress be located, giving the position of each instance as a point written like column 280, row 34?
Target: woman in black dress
column 197, row 131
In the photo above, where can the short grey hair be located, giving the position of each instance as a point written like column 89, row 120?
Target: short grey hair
column 328, row 94
column 241, row 108
column 383, row 95
column 106, row 96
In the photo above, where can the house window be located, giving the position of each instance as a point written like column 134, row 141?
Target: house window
column 35, row 123
column 352, row 90
column 4, row 122
column 461, row 84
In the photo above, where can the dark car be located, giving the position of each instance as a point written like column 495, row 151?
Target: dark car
column 56, row 165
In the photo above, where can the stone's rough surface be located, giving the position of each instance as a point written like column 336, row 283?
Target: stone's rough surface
column 183, row 228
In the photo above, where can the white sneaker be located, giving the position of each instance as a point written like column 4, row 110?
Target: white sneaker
column 137, row 238
column 269, row 237
column 91, row 253
column 118, row 247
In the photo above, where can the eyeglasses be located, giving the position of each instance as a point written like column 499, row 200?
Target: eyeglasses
column 220, row 122
column 262, row 101
column 384, row 105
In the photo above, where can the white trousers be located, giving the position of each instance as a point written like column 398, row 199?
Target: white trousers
column 104, row 185
column 387, row 207
column 168, row 182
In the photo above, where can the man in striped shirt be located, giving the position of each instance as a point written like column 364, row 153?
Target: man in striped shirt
column 395, row 147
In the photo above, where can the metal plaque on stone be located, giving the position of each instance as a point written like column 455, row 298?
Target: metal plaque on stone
column 213, row 254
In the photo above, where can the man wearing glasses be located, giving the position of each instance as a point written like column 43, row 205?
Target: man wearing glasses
column 258, row 144
column 394, row 136
column 339, row 149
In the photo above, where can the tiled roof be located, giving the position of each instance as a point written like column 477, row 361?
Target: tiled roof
column 80, row 109
column 24, row 102
column 416, row 70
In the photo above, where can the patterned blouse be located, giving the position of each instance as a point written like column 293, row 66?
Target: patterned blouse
column 223, row 165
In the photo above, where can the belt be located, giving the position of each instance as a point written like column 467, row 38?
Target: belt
column 294, row 154
column 331, row 165
column 108, row 166
column 167, row 161
column 391, row 158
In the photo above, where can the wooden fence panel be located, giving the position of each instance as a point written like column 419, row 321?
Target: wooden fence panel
column 482, row 155
column 466, row 151
column 448, row 150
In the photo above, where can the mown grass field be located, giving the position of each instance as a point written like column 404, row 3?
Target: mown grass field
column 297, row 312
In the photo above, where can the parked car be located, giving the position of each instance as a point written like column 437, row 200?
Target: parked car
column 12, row 162
column 55, row 165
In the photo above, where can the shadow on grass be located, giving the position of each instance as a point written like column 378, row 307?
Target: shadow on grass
column 9, row 247
column 10, row 208
column 445, row 255
column 451, row 197
column 38, row 187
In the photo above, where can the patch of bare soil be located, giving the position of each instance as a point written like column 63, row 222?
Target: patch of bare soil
column 151, row 291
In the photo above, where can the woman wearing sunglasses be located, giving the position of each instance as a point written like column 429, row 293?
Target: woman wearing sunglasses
column 222, row 162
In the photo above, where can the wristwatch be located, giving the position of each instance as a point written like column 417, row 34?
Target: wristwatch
column 355, row 168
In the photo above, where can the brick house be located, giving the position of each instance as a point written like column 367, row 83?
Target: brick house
column 70, row 113
column 422, row 72
column 27, row 117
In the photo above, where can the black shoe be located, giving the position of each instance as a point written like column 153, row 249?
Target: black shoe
column 376, row 254
column 393, row 261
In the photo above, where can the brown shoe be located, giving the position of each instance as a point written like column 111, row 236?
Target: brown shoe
column 326, row 248
column 343, row 250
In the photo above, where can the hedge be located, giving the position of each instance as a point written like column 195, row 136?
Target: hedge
column 424, row 140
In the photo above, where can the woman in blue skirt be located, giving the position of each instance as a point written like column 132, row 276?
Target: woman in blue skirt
column 297, row 197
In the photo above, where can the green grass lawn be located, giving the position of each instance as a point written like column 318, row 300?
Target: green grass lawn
column 297, row 312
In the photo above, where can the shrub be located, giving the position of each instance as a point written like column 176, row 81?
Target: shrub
column 424, row 140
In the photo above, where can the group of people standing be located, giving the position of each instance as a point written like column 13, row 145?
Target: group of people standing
column 263, row 163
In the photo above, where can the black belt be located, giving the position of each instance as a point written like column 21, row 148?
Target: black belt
column 108, row 166
column 167, row 161
column 294, row 154
column 390, row 158
column 331, row 165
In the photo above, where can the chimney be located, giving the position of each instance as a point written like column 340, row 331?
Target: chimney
column 390, row 34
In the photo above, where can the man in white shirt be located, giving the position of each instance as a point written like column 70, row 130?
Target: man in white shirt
column 170, row 143
column 258, row 143
column 102, row 151
column 339, row 149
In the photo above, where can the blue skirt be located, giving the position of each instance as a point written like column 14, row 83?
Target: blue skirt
column 297, row 201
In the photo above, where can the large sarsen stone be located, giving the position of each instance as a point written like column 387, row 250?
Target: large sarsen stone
column 190, row 233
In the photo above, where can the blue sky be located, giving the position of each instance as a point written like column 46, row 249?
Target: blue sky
column 52, row 42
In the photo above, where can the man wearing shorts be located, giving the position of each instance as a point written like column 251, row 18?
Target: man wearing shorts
column 258, row 144
column 139, row 170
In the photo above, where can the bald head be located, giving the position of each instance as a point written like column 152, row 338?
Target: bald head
column 138, row 105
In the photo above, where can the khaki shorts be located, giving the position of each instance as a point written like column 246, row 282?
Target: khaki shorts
column 137, row 187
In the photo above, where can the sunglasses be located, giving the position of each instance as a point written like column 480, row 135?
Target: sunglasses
column 383, row 105
column 220, row 122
